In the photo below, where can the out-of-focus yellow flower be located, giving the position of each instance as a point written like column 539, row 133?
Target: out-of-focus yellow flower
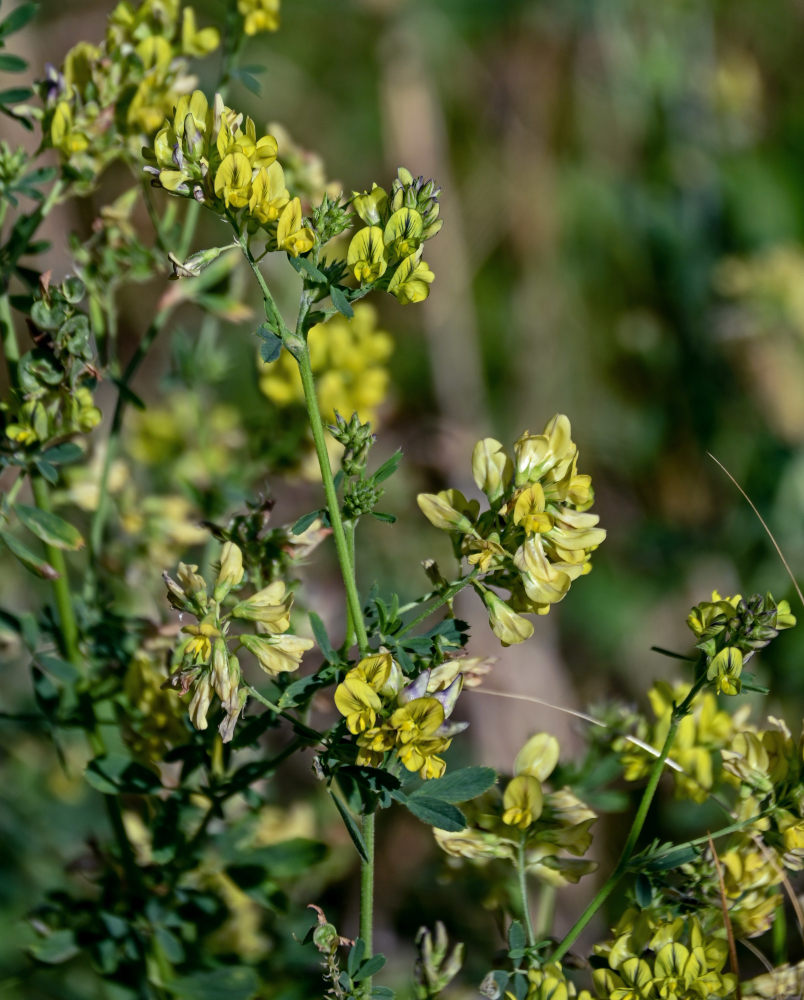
column 348, row 360
column 259, row 15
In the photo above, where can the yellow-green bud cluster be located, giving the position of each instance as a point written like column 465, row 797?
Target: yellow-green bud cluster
column 109, row 99
column 549, row 982
column 547, row 822
column 386, row 715
column 537, row 535
column 730, row 630
column 387, row 252
column 259, row 15
column 673, row 959
column 204, row 660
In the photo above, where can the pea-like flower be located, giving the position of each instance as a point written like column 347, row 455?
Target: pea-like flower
column 536, row 536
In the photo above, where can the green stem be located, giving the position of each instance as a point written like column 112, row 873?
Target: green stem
column 367, row 894
column 521, row 866
column 61, row 585
column 11, row 348
column 603, row 893
column 444, row 598
column 349, row 636
column 546, row 912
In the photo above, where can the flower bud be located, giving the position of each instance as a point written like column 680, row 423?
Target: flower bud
column 509, row 627
column 491, row 468
column 231, row 571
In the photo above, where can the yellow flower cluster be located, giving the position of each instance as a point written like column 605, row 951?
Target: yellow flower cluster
column 259, row 15
column 154, row 722
column 348, row 359
column 700, row 738
column 141, row 67
column 549, row 822
column 204, row 660
column 387, row 715
column 653, row 959
column 535, row 538
column 54, row 413
column 548, row 982
column 387, row 251
column 214, row 155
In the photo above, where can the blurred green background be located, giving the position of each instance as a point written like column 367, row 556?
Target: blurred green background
column 623, row 199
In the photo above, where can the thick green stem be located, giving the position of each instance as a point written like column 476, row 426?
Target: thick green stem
column 521, row 870
column 349, row 635
column 620, row 868
column 61, row 585
column 367, row 894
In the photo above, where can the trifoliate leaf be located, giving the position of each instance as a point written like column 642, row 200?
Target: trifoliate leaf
column 436, row 812
column 457, row 786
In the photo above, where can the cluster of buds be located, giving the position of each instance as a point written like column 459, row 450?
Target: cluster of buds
column 436, row 966
column 385, row 714
column 730, row 630
column 207, row 659
column 546, row 822
column 537, row 535
column 141, row 66
column 356, row 438
column 387, row 252
column 654, row 957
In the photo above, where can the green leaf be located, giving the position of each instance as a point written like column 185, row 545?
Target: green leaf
column 311, row 271
column 388, row 467
column 237, row 982
column 116, row 773
column 47, row 471
column 17, row 19
column 385, row 518
column 63, row 454
column 12, row 64
column 664, row 860
column 322, row 639
column 340, row 302
column 351, row 826
column 304, row 522
column 13, row 96
column 457, row 786
column 643, row 891
column 271, row 346
column 60, row 669
column 370, row 967
column 57, row 947
column 516, row 936
column 28, row 559
column 437, row 813
column 49, row 527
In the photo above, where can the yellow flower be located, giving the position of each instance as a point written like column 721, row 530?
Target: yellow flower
column 259, row 15
column 268, row 193
column 233, row 180
column 522, row 801
column 348, row 359
column 269, row 606
column 195, row 42
column 366, row 255
column 199, row 647
column 277, row 654
column 418, row 720
column 358, row 702
column 291, row 235
column 231, row 571
column 411, row 281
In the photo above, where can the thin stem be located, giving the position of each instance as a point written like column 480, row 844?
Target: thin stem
column 61, row 584
column 113, row 442
column 338, row 534
column 678, row 713
column 521, row 866
column 444, row 598
column 546, row 911
column 367, row 894
column 11, row 348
